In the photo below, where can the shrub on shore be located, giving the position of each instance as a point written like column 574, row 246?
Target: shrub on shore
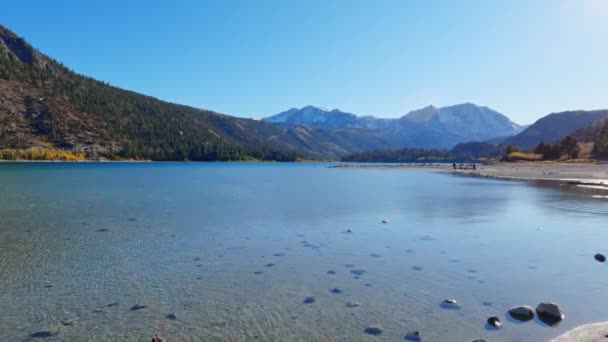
column 39, row 154
column 522, row 156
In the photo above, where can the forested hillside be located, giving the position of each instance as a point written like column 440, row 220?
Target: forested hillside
column 47, row 107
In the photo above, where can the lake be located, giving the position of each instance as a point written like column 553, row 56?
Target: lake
column 232, row 250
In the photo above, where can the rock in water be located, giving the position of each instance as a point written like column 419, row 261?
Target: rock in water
column 309, row 300
column 352, row 304
column 480, row 340
column 413, row 336
column 385, row 221
column 158, row 338
column 522, row 313
column 549, row 313
column 171, row 316
column 374, row 329
column 600, row 257
column 450, row 301
column 495, row 322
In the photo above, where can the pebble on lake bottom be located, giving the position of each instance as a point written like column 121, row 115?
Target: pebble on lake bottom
column 522, row 313
column 357, row 272
column 413, row 336
column 352, row 304
column 331, row 272
column 138, row 307
column 43, row 334
column 158, row 338
column 374, row 329
column 309, row 300
column 335, row 290
column 494, row 322
column 171, row 316
column 600, row 257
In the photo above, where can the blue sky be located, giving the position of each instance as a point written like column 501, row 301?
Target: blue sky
column 524, row 58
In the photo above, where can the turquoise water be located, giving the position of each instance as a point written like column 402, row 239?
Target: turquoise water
column 81, row 244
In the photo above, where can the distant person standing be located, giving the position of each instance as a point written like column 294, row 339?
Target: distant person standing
column 453, row 167
column 474, row 167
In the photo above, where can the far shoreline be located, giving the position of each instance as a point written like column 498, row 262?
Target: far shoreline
column 590, row 178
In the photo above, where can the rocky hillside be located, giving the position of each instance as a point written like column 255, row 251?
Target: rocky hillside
column 45, row 105
column 553, row 127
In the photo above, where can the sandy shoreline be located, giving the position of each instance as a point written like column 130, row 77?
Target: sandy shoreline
column 589, row 178
column 595, row 332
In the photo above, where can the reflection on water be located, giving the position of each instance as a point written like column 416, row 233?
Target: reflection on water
column 262, row 252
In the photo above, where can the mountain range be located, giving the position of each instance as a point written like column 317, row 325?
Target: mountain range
column 429, row 127
column 46, row 106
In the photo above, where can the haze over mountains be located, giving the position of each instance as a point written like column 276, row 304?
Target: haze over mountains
column 44, row 105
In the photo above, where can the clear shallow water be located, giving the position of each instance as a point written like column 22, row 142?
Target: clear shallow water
column 83, row 243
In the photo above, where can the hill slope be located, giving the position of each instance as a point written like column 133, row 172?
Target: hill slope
column 45, row 105
column 554, row 126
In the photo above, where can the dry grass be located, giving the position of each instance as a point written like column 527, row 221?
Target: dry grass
column 516, row 156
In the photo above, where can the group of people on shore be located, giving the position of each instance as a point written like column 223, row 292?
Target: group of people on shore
column 471, row 167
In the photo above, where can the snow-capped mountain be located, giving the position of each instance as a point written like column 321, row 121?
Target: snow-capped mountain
column 426, row 127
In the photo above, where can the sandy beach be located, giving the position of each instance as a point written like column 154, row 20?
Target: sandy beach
column 590, row 178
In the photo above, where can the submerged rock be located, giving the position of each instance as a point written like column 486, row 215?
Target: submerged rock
column 331, row 272
column 522, row 313
column 549, row 313
column 413, row 336
column 358, row 272
column 258, row 272
column 111, row 305
column 158, row 338
column 67, row 322
column 374, row 329
column 279, row 254
column 385, row 221
column 417, row 268
column 43, row 334
column 309, row 300
column 495, row 322
column 171, row 316
column 600, row 257
column 352, row 304
column 450, row 304
column 479, row 340
column 335, row 290
column 138, row 307
column 270, row 264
